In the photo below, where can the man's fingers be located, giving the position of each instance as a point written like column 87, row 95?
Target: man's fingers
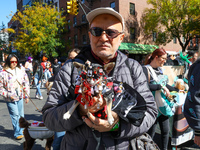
column 94, row 119
column 88, row 122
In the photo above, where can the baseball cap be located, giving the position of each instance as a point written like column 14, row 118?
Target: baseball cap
column 29, row 58
column 104, row 10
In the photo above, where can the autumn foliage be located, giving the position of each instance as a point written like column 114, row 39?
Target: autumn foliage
column 40, row 27
column 172, row 19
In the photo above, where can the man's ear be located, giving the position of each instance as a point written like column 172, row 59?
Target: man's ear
column 122, row 37
column 108, row 67
column 89, row 34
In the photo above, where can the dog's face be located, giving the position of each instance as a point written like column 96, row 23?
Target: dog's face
column 180, row 84
column 49, row 86
column 92, row 79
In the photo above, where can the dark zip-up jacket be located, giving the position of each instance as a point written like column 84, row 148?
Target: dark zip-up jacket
column 192, row 102
column 78, row 135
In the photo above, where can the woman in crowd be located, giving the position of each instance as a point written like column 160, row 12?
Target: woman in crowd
column 154, row 63
column 29, row 68
column 37, row 76
column 14, row 86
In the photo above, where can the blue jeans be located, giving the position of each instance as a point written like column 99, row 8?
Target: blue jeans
column 37, row 84
column 16, row 110
column 57, row 140
column 47, row 75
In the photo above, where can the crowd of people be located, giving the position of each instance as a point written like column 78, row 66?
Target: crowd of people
column 84, row 129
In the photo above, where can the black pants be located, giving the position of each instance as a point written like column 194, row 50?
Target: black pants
column 164, row 127
column 29, row 76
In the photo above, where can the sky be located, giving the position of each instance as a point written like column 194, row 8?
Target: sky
column 6, row 6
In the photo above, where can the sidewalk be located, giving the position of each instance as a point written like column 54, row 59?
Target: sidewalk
column 7, row 141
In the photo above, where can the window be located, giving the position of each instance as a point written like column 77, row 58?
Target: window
column 84, row 39
column 69, row 40
column 174, row 40
column 154, row 36
column 68, row 24
column 112, row 5
column 75, row 21
column 83, row 18
column 76, row 39
column 132, row 8
column 82, row 1
column 132, row 33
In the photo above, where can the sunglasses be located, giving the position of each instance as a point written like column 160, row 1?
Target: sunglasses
column 111, row 33
column 12, row 62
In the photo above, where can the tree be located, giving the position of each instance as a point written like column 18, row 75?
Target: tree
column 172, row 19
column 40, row 27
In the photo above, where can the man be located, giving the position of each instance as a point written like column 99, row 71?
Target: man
column 55, row 67
column 192, row 101
column 46, row 68
column 192, row 57
column 106, row 34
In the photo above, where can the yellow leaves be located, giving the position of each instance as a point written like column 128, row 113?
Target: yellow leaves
column 10, row 30
column 39, row 28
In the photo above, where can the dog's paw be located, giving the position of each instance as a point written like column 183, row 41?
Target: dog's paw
column 110, row 120
column 66, row 116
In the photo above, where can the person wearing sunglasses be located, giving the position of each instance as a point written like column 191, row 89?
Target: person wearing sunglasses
column 14, row 83
column 84, row 130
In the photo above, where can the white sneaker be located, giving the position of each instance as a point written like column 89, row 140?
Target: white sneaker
column 40, row 97
column 37, row 96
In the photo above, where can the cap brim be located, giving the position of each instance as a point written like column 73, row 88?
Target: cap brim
column 104, row 10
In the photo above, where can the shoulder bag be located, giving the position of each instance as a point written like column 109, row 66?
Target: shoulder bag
column 165, row 107
column 143, row 142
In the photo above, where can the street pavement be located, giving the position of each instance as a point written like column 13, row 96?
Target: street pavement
column 7, row 141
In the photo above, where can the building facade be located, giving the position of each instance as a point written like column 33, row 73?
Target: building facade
column 131, row 10
column 77, row 26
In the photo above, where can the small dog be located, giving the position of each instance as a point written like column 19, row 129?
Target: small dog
column 93, row 82
column 180, row 85
column 48, row 85
column 29, row 141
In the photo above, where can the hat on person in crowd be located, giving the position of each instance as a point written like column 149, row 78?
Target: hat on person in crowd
column 30, row 58
column 44, row 58
column 104, row 10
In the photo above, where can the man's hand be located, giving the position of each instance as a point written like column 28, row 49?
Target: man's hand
column 94, row 108
column 197, row 140
column 101, row 125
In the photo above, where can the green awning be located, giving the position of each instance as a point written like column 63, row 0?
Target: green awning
column 137, row 48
